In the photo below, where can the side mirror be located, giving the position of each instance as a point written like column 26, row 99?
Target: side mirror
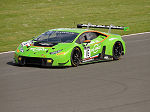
column 87, row 41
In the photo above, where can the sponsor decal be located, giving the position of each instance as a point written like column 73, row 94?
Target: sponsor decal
column 87, row 52
column 88, row 60
column 28, row 43
column 106, row 57
column 112, row 38
column 95, row 48
column 60, row 53
column 93, row 42
column 38, row 49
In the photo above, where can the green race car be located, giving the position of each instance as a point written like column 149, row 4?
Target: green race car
column 71, row 47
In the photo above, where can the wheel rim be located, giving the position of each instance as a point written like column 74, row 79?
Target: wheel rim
column 76, row 58
column 117, row 50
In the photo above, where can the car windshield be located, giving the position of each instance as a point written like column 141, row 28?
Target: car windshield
column 56, row 37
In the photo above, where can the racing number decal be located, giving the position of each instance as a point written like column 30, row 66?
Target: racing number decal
column 87, row 52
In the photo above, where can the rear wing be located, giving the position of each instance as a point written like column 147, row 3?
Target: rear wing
column 103, row 26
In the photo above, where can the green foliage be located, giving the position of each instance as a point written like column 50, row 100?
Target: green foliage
column 20, row 20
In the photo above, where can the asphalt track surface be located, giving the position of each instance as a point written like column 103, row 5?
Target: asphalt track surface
column 115, row 86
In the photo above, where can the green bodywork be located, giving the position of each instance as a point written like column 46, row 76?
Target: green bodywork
column 63, row 58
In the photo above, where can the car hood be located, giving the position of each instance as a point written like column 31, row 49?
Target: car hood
column 38, row 51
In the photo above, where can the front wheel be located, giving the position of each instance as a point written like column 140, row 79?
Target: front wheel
column 117, row 50
column 76, row 57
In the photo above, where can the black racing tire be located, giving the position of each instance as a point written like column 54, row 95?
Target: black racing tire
column 76, row 56
column 117, row 50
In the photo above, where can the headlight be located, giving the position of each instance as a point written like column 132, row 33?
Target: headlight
column 55, row 52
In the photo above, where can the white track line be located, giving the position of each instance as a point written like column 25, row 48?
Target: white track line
column 122, row 36
column 135, row 34
column 7, row 52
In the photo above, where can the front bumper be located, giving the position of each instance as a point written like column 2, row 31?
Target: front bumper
column 22, row 60
column 60, row 60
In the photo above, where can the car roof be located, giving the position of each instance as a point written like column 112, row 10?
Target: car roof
column 79, row 30
column 75, row 30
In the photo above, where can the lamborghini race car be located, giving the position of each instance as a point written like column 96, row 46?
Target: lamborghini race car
column 71, row 46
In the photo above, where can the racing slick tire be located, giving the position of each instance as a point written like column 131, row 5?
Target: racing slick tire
column 76, row 56
column 117, row 50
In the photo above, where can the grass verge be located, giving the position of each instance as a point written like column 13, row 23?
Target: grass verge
column 20, row 20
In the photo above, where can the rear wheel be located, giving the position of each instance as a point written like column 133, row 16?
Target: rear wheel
column 76, row 57
column 117, row 50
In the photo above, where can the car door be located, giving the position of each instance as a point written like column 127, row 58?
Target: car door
column 90, row 49
column 95, row 45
